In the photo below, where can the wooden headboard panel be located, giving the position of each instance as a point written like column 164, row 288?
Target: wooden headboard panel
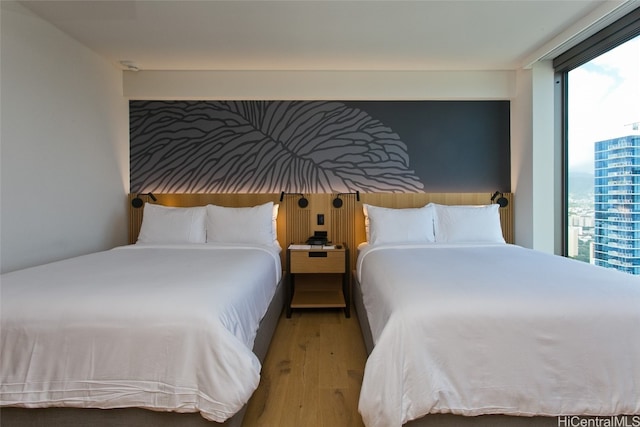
column 343, row 225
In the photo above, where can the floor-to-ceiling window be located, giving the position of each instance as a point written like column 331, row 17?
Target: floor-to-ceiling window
column 601, row 82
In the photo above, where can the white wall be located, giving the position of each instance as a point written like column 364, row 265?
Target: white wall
column 534, row 163
column 544, row 164
column 522, row 158
column 320, row 85
column 64, row 145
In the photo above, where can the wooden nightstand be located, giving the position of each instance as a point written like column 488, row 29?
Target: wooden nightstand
column 318, row 278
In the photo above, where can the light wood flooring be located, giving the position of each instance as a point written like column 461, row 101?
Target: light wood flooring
column 312, row 373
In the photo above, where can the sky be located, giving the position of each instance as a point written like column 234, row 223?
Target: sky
column 604, row 100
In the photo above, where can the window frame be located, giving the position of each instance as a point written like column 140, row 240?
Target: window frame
column 619, row 32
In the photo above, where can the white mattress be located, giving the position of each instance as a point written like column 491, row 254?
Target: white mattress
column 167, row 328
column 496, row 329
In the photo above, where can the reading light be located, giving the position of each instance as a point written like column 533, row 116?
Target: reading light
column 137, row 202
column 302, row 201
column 337, row 202
column 502, row 201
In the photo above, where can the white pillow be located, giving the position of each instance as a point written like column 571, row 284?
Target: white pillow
column 388, row 225
column 468, row 224
column 163, row 224
column 255, row 224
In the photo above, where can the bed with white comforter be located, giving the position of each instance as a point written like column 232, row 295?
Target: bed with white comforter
column 474, row 329
column 162, row 327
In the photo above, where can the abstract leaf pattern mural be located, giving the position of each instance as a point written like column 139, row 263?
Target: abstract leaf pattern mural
column 264, row 147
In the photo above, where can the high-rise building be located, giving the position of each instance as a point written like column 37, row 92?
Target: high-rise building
column 617, row 203
column 572, row 241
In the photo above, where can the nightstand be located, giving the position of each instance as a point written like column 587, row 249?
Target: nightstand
column 318, row 278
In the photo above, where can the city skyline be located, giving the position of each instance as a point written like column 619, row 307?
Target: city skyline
column 603, row 104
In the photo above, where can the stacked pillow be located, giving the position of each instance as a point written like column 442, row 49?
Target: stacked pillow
column 434, row 223
column 209, row 224
column 468, row 224
column 162, row 224
column 388, row 225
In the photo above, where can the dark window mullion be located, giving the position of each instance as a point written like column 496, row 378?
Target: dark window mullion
column 604, row 40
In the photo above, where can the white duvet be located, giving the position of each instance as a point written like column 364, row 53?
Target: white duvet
column 166, row 328
column 496, row 329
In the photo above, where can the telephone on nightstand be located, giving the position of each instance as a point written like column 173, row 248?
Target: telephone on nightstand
column 318, row 238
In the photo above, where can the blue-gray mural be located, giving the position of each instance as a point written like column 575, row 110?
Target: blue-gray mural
column 264, row 147
column 318, row 146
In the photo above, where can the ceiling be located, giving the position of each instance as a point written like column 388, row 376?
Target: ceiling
column 328, row 35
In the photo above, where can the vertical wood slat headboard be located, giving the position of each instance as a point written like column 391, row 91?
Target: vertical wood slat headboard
column 343, row 225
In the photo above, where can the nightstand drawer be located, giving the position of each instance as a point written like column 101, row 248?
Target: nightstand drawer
column 321, row 261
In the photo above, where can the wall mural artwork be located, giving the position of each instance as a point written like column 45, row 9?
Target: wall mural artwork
column 319, row 146
column 264, row 147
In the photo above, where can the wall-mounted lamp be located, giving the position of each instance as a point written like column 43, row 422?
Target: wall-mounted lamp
column 302, row 201
column 502, row 201
column 137, row 202
column 337, row 202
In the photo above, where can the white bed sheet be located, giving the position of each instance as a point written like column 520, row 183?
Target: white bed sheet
column 496, row 329
column 167, row 328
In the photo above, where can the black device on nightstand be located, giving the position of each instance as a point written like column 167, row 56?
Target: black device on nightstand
column 318, row 238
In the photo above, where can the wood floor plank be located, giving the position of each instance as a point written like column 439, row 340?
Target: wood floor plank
column 332, row 366
column 312, row 373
